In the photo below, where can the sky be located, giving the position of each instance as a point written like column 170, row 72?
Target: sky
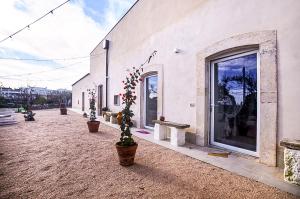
column 72, row 31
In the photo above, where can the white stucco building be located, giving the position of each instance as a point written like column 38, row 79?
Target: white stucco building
column 229, row 69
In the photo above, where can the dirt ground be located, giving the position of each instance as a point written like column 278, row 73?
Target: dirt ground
column 56, row 157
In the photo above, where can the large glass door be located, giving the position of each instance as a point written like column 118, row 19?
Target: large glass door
column 150, row 100
column 234, row 104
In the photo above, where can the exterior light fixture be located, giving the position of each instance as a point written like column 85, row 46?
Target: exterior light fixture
column 176, row 50
column 105, row 44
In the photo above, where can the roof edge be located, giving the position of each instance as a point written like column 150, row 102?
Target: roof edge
column 115, row 25
column 81, row 79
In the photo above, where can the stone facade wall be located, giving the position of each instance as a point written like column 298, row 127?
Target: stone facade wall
column 192, row 26
column 77, row 89
column 265, row 43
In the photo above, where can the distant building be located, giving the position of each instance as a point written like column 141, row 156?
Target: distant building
column 19, row 95
column 10, row 93
column 37, row 91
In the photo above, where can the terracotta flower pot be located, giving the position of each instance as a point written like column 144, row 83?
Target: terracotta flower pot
column 126, row 154
column 93, row 126
column 63, row 111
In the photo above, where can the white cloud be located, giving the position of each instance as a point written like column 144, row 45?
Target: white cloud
column 69, row 32
column 116, row 9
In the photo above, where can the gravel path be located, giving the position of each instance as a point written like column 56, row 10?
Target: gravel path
column 56, row 157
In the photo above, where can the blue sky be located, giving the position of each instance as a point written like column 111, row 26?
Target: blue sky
column 234, row 67
column 72, row 31
column 94, row 9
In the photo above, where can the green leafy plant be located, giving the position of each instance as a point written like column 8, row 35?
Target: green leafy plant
column 40, row 100
column 3, row 102
column 92, row 101
column 128, row 99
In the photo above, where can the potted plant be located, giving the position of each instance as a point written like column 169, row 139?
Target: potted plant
column 104, row 110
column 126, row 147
column 63, row 109
column 29, row 116
column 93, row 125
column 107, row 116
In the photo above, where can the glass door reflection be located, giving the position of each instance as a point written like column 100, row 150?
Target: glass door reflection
column 234, row 102
column 150, row 91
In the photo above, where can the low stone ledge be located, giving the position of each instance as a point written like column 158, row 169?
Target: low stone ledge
column 291, row 161
column 172, row 124
column 290, row 144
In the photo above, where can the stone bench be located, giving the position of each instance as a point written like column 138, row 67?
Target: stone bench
column 177, row 131
column 291, row 160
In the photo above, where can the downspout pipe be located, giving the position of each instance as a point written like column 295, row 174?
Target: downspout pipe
column 106, row 47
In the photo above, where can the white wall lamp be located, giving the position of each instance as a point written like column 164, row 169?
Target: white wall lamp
column 176, row 50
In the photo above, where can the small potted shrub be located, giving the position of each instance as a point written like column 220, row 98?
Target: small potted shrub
column 104, row 110
column 93, row 125
column 107, row 116
column 162, row 118
column 29, row 116
column 126, row 147
column 63, row 109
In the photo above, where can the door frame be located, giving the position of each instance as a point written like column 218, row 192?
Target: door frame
column 144, row 101
column 212, row 107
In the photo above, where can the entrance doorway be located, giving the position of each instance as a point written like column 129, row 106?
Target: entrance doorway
column 150, row 100
column 234, row 102
column 100, row 96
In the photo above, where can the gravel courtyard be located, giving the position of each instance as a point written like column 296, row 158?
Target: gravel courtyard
column 56, row 157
